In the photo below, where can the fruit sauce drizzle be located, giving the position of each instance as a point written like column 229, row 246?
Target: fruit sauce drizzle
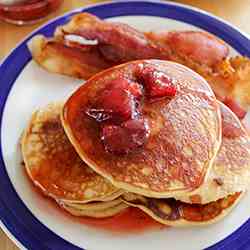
column 118, row 109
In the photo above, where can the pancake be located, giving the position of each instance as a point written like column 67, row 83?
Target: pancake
column 95, row 205
column 175, row 213
column 53, row 165
column 230, row 172
column 95, row 209
column 184, row 130
column 95, row 213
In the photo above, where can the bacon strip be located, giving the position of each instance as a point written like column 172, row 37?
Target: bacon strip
column 201, row 47
column 58, row 57
column 118, row 43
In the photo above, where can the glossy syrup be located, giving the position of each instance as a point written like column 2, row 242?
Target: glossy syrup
column 131, row 220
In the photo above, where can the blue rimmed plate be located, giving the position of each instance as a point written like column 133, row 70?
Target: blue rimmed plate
column 31, row 219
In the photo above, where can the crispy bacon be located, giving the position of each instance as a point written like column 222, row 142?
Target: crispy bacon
column 230, row 80
column 57, row 57
column 200, row 47
column 208, row 56
column 117, row 42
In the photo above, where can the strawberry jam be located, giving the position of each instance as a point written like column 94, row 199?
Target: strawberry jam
column 118, row 109
column 117, row 103
column 128, row 136
column 134, row 88
column 157, row 84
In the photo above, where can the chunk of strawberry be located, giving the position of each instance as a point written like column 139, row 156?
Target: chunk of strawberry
column 125, row 138
column 114, row 104
column 118, row 102
column 133, row 87
column 235, row 107
column 157, row 84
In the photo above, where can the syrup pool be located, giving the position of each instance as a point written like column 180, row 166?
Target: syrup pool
column 131, row 220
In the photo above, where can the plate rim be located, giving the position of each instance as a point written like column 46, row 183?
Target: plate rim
column 236, row 34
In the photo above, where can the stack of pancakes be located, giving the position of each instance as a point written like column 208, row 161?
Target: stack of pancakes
column 193, row 169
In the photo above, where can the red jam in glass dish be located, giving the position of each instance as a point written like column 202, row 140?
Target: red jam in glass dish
column 22, row 12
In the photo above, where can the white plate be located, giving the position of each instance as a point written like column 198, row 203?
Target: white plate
column 32, row 87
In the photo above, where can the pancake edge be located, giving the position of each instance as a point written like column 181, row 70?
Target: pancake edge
column 23, row 141
column 185, row 223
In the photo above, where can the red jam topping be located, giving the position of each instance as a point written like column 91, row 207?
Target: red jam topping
column 123, row 139
column 134, row 88
column 157, row 84
column 118, row 109
column 235, row 107
column 117, row 103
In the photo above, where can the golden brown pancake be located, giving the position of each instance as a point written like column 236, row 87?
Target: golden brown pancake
column 95, row 205
column 176, row 213
column 53, row 165
column 109, row 212
column 230, row 172
column 185, row 132
column 95, row 209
